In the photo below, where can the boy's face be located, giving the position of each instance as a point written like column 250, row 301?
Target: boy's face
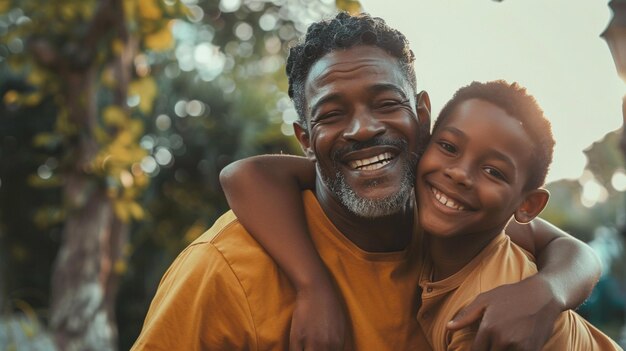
column 471, row 177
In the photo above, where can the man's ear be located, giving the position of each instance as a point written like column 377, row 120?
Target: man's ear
column 302, row 133
column 422, row 104
column 532, row 205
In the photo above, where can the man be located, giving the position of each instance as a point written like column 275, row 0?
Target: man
column 363, row 124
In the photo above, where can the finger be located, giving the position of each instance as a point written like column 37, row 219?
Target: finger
column 295, row 346
column 469, row 314
column 481, row 342
column 295, row 342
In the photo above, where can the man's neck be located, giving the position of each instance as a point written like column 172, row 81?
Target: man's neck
column 382, row 234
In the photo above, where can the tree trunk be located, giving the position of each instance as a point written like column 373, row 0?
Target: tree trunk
column 84, row 281
column 82, row 316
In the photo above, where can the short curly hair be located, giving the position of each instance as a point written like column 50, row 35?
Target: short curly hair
column 515, row 100
column 343, row 32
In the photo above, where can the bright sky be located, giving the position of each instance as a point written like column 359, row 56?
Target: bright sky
column 551, row 47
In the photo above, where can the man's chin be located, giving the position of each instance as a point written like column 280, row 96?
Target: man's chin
column 374, row 204
column 372, row 199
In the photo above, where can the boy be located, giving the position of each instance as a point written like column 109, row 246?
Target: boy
column 488, row 156
column 487, row 159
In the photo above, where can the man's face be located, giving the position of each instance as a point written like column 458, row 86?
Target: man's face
column 363, row 129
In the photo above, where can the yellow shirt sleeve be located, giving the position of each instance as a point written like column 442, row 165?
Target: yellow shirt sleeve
column 199, row 305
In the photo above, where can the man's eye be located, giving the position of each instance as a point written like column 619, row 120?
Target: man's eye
column 387, row 104
column 328, row 115
column 447, row 147
column 495, row 173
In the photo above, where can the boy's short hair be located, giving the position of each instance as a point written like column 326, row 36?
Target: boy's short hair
column 343, row 32
column 522, row 106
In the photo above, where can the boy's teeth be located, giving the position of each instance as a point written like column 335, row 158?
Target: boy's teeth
column 445, row 201
column 371, row 163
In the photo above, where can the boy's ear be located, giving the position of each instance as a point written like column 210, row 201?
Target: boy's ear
column 532, row 205
column 422, row 102
column 302, row 133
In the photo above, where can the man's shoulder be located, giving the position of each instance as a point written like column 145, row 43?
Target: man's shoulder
column 225, row 224
column 229, row 238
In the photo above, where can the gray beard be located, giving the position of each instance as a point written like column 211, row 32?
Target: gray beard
column 372, row 208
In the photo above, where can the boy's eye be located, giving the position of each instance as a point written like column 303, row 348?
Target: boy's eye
column 495, row 173
column 447, row 147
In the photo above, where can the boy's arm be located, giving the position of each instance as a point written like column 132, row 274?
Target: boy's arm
column 522, row 315
column 261, row 190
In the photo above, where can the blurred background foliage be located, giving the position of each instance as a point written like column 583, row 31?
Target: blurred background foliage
column 136, row 105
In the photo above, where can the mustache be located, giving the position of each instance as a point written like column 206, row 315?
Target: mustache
column 401, row 144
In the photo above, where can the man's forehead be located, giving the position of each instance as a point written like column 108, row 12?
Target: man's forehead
column 354, row 63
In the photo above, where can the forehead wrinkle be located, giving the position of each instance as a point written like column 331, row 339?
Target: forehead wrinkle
column 335, row 71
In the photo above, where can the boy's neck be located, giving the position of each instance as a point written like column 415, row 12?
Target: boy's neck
column 450, row 255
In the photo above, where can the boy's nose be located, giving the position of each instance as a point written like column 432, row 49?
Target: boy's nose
column 459, row 175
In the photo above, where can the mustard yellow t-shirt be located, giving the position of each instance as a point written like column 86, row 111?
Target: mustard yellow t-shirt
column 224, row 292
column 501, row 262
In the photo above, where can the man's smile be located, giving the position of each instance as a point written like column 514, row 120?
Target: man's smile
column 372, row 163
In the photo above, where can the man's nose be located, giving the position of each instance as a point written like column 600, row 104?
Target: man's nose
column 459, row 174
column 363, row 126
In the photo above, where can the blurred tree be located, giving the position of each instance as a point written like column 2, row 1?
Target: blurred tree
column 597, row 197
column 82, row 55
column 114, row 93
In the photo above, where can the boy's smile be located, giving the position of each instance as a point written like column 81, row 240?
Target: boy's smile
column 471, row 178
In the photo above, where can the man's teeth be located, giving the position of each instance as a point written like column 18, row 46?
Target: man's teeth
column 445, row 201
column 372, row 163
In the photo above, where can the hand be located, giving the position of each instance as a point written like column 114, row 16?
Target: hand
column 517, row 316
column 318, row 321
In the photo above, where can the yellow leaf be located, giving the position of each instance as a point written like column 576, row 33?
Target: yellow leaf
column 63, row 124
column 101, row 135
column 117, row 46
column 123, row 139
column 149, row 9
column 135, row 127
column 86, row 9
column 120, row 266
column 11, row 97
column 45, row 139
column 129, row 8
column 68, row 12
column 46, row 217
column 161, row 40
column 146, row 89
column 114, row 116
column 108, row 78
column 4, row 6
column 36, row 181
column 32, row 99
column 36, row 77
column 136, row 210
column 121, row 210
